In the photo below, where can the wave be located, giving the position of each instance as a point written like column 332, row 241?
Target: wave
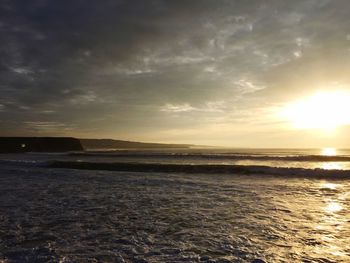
column 299, row 158
column 24, row 163
column 207, row 169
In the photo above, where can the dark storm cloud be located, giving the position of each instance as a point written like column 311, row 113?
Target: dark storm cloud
column 128, row 62
column 49, row 49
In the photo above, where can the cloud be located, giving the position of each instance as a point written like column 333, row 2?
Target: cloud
column 247, row 86
column 211, row 106
column 133, row 62
column 47, row 127
column 177, row 108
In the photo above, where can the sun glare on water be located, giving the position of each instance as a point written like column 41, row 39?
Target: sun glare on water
column 333, row 207
column 325, row 110
column 329, row 152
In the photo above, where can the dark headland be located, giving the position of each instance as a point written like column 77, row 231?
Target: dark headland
column 66, row 144
column 39, row 144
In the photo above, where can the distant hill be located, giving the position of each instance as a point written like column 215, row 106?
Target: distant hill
column 91, row 144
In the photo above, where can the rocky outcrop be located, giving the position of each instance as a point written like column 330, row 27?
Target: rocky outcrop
column 39, row 144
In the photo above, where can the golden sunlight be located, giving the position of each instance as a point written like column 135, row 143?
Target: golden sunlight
column 333, row 166
column 325, row 110
column 330, row 186
column 329, row 152
column 333, row 207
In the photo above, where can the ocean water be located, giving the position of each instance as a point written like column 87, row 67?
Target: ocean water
column 197, row 205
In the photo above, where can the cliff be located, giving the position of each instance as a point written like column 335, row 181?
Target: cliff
column 39, row 144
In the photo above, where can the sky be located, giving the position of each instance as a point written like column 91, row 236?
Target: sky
column 208, row 72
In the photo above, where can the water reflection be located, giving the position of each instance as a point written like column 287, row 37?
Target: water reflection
column 329, row 186
column 333, row 207
column 333, row 166
column 329, row 151
column 332, row 204
column 333, row 221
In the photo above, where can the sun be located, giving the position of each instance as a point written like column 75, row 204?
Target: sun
column 324, row 110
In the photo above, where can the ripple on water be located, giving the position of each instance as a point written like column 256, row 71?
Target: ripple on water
column 82, row 216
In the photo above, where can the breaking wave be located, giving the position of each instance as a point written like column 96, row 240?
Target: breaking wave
column 23, row 163
column 204, row 169
column 258, row 157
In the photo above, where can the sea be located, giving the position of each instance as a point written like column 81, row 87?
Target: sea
column 176, row 205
